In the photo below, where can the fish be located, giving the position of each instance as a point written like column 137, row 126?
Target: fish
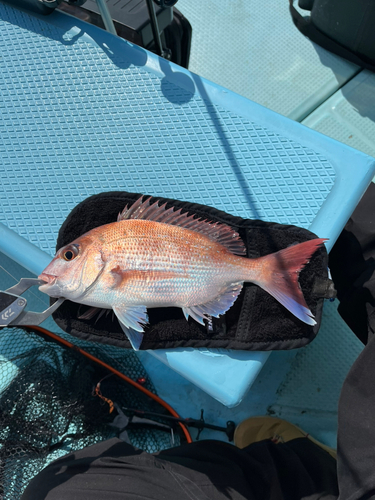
column 158, row 257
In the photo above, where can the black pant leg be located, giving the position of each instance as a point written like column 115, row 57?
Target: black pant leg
column 206, row 470
column 356, row 429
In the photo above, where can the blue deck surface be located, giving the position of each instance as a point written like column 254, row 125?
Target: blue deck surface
column 349, row 114
column 254, row 49
column 83, row 112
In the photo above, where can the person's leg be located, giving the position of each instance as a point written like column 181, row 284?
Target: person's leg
column 304, row 467
column 356, row 429
column 82, row 475
column 204, row 470
column 113, row 469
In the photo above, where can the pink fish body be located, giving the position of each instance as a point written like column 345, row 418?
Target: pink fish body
column 153, row 257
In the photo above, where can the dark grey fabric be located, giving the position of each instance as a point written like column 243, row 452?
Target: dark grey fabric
column 206, row 470
column 352, row 263
column 344, row 27
column 356, row 431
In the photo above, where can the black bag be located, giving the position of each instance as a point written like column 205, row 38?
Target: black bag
column 256, row 321
column 352, row 264
column 344, row 27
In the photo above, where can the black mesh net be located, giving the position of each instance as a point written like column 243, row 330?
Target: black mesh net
column 48, row 409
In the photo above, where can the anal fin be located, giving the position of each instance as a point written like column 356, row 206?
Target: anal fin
column 132, row 320
column 215, row 307
column 135, row 338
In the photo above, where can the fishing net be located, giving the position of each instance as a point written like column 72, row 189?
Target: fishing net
column 48, row 407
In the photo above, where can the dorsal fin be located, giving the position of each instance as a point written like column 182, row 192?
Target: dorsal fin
column 216, row 231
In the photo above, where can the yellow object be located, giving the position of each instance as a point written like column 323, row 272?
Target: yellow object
column 256, row 429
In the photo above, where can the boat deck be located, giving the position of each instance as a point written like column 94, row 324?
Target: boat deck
column 172, row 134
column 283, row 71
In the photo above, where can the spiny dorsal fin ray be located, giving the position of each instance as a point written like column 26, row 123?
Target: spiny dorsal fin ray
column 216, row 231
column 214, row 307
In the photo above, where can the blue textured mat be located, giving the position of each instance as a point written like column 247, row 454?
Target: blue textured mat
column 349, row 115
column 308, row 394
column 253, row 48
column 84, row 112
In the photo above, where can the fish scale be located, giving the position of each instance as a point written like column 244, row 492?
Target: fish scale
column 192, row 257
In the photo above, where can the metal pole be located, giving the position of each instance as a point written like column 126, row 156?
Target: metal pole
column 154, row 26
column 22, row 251
column 106, row 16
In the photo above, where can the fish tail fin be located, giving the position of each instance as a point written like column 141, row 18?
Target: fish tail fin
column 279, row 277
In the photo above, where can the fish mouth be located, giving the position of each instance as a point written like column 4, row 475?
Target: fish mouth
column 49, row 279
column 49, row 287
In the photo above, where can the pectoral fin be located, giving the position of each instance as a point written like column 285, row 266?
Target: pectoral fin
column 132, row 320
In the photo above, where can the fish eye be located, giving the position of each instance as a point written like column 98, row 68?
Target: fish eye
column 70, row 252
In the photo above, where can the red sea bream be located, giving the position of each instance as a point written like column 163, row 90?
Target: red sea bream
column 153, row 257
